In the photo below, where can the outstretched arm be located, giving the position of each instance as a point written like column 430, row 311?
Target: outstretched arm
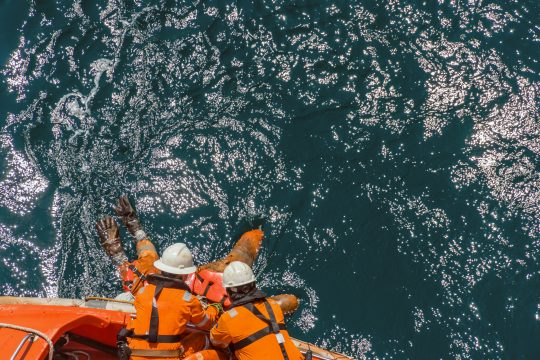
column 146, row 252
column 129, row 218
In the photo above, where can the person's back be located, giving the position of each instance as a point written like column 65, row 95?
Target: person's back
column 240, row 323
column 254, row 328
column 175, row 307
column 163, row 309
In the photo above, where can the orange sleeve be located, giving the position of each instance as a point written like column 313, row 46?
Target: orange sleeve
column 147, row 255
column 203, row 319
column 219, row 335
column 145, row 249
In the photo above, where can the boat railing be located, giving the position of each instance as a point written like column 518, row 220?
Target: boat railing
column 31, row 335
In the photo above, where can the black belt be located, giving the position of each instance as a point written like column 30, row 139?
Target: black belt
column 160, row 338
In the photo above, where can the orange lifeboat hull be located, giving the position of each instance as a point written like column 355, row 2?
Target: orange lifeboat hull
column 89, row 330
column 85, row 324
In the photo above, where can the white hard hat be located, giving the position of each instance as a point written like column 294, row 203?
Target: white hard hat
column 236, row 274
column 176, row 259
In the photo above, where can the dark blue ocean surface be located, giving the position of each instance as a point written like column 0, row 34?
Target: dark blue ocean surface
column 391, row 150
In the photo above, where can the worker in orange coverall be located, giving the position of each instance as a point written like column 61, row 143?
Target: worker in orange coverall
column 164, row 307
column 254, row 327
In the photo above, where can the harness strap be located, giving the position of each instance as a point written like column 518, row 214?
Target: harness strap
column 272, row 328
column 252, row 338
column 275, row 328
column 134, row 286
column 137, row 272
column 154, row 316
column 160, row 338
column 258, row 314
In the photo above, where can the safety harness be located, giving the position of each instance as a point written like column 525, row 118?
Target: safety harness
column 272, row 328
column 128, row 279
column 161, row 282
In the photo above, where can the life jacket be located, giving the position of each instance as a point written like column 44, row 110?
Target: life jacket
column 273, row 328
column 133, row 279
column 209, row 284
column 172, row 296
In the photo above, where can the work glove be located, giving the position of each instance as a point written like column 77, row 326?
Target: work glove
column 109, row 237
column 129, row 218
column 218, row 307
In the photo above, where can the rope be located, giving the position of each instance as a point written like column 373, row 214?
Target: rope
column 108, row 299
column 35, row 332
column 75, row 354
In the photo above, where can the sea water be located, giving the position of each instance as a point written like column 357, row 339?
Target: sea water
column 389, row 149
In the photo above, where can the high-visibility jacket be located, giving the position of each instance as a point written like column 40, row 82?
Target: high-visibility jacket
column 255, row 333
column 163, row 309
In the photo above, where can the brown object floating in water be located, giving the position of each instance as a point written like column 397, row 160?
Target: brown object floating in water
column 287, row 302
column 245, row 250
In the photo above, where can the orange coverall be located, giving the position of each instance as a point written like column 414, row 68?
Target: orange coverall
column 175, row 308
column 146, row 255
column 239, row 323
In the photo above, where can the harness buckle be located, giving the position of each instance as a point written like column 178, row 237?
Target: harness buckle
column 280, row 338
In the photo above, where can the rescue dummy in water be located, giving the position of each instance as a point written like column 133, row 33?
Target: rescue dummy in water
column 206, row 281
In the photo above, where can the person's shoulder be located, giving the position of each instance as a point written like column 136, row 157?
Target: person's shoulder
column 275, row 306
column 178, row 295
column 145, row 289
column 187, row 296
column 230, row 314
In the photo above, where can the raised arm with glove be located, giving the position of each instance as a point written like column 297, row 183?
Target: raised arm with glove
column 133, row 274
